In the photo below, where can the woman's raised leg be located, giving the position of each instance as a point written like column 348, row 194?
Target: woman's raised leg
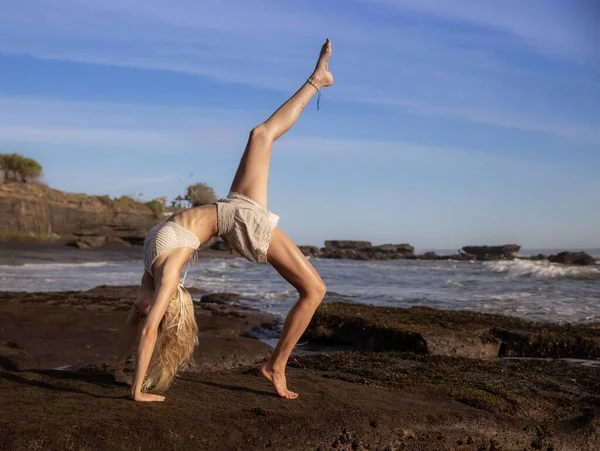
column 252, row 176
column 287, row 259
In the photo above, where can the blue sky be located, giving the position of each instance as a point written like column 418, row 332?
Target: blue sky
column 450, row 122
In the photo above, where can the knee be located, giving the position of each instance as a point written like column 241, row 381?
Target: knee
column 316, row 290
column 260, row 133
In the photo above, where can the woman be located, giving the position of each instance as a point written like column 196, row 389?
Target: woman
column 243, row 221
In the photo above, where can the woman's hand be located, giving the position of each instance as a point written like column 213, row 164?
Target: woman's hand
column 147, row 397
column 122, row 378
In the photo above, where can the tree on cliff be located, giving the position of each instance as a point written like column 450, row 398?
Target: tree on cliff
column 200, row 194
column 16, row 167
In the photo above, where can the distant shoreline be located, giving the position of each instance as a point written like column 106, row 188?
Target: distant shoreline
column 20, row 253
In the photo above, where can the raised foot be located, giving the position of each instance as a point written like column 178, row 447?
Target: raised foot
column 278, row 381
column 322, row 76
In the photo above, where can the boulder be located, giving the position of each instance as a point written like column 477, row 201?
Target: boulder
column 309, row 251
column 117, row 240
column 573, row 258
column 220, row 245
column 14, row 358
column 428, row 256
column 538, row 257
column 396, row 248
column 87, row 242
column 487, row 253
column 346, row 244
column 219, row 298
column 363, row 250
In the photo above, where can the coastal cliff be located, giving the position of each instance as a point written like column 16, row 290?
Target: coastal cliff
column 31, row 212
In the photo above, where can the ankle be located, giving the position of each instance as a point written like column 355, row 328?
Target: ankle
column 314, row 82
column 276, row 367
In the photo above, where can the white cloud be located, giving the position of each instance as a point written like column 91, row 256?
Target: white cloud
column 588, row 133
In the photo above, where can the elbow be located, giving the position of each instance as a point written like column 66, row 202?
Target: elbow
column 149, row 331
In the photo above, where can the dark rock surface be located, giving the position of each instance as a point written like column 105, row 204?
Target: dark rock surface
column 555, row 402
column 342, row 406
column 486, row 253
column 572, row 258
column 348, row 400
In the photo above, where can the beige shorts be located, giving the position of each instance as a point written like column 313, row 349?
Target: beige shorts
column 245, row 226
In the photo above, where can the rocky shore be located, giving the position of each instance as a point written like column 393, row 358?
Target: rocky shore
column 364, row 250
column 37, row 215
column 418, row 379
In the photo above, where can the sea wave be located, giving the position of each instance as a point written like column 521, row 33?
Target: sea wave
column 59, row 265
column 544, row 269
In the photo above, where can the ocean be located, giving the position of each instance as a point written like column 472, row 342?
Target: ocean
column 533, row 290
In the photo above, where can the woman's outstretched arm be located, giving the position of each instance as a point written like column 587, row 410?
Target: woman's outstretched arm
column 163, row 294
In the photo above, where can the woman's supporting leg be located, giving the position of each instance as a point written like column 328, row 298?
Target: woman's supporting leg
column 132, row 326
column 287, row 259
column 252, row 176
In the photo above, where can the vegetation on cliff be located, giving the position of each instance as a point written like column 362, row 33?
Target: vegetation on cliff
column 15, row 167
column 30, row 210
column 200, row 194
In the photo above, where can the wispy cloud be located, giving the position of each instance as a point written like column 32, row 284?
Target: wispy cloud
column 587, row 133
column 272, row 45
column 129, row 129
column 554, row 27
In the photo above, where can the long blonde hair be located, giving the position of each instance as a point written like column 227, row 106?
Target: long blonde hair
column 175, row 343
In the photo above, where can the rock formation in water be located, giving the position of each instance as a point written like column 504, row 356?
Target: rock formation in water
column 487, row 253
column 572, row 258
column 359, row 250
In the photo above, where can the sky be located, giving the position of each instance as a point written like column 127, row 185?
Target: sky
column 450, row 122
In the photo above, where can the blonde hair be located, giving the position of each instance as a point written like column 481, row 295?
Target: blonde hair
column 175, row 343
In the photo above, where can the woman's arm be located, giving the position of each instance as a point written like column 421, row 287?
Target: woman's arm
column 163, row 294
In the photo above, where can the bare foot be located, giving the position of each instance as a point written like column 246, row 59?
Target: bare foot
column 147, row 397
column 322, row 76
column 278, row 381
column 122, row 378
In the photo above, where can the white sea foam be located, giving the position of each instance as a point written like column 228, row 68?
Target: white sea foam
column 545, row 269
column 50, row 266
column 455, row 284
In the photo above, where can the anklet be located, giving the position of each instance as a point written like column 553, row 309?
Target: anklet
column 318, row 92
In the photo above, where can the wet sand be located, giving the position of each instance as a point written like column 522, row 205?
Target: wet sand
column 19, row 253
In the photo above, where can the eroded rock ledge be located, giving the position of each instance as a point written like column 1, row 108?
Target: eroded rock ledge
column 424, row 330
